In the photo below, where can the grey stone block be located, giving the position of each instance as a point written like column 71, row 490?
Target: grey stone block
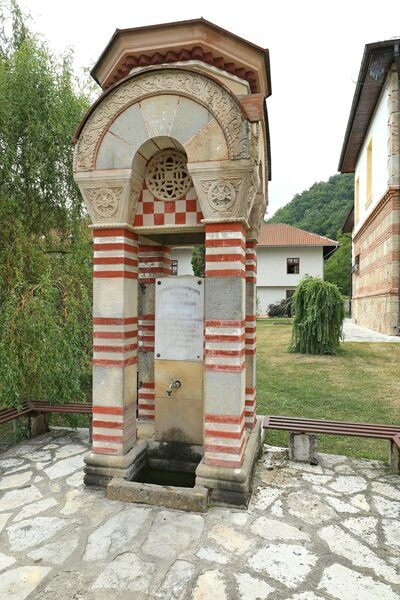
column 303, row 447
column 225, row 298
column 190, row 118
column 394, row 458
column 251, row 299
column 146, row 298
column 38, row 424
column 188, row 499
column 146, row 367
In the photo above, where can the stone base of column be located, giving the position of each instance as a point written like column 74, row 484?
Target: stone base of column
column 101, row 468
column 233, row 486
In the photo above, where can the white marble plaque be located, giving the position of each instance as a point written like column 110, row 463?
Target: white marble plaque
column 179, row 324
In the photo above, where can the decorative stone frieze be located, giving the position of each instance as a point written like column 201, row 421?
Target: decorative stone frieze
column 110, row 196
column 220, row 103
column 257, row 216
column 226, row 189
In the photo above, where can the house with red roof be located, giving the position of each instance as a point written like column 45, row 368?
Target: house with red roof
column 285, row 254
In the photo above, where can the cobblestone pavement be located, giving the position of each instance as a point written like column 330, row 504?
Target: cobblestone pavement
column 355, row 333
column 310, row 533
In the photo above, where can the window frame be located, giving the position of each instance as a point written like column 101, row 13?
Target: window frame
column 294, row 264
column 174, row 266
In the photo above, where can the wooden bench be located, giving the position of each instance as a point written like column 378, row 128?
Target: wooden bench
column 35, row 408
column 312, row 427
column 9, row 414
column 71, row 408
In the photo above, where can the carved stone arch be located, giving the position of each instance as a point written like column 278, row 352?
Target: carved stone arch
column 111, row 195
column 203, row 91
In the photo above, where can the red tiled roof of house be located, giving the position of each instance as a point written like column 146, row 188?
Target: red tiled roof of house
column 278, row 234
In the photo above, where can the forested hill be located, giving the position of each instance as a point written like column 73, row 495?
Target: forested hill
column 322, row 209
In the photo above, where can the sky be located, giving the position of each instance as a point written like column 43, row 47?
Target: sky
column 315, row 48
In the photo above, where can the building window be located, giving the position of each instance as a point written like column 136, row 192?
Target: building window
column 174, row 267
column 293, row 266
column 289, row 294
column 369, row 174
column 357, row 200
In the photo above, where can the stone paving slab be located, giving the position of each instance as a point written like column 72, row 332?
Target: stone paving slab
column 321, row 532
column 355, row 333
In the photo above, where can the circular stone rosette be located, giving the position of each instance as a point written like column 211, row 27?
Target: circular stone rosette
column 167, row 176
column 105, row 203
column 221, row 195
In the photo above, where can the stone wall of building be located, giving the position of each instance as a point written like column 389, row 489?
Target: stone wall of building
column 376, row 249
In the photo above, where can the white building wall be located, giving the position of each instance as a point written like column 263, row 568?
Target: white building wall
column 272, row 278
column 271, row 265
column 267, row 296
column 379, row 133
column 184, row 258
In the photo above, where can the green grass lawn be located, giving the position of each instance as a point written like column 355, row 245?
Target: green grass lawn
column 362, row 383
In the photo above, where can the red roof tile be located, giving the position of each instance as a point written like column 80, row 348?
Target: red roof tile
column 278, row 234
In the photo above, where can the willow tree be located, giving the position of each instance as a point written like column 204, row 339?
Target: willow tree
column 318, row 317
column 44, row 247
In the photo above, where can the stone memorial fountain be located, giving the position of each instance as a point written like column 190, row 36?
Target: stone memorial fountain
column 174, row 152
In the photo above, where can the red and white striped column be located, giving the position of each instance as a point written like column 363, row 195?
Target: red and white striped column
column 224, row 383
column 251, row 312
column 154, row 261
column 115, row 272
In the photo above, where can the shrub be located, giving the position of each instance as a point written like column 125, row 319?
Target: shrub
column 45, row 247
column 281, row 309
column 198, row 260
column 318, row 317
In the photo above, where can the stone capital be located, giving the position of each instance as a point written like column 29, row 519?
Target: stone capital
column 226, row 189
column 110, row 196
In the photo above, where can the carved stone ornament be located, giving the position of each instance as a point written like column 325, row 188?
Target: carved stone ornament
column 225, row 189
column 257, row 217
column 110, row 196
column 221, row 193
column 221, row 104
column 167, row 176
column 105, row 201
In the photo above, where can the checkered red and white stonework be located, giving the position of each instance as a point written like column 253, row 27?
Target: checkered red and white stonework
column 151, row 212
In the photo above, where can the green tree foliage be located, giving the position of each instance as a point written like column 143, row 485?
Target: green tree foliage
column 318, row 317
column 198, row 260
column 323, row 209
column 45, row 249
column 338, row 266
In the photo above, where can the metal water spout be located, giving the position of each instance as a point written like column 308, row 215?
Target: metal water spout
column 173, row 384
